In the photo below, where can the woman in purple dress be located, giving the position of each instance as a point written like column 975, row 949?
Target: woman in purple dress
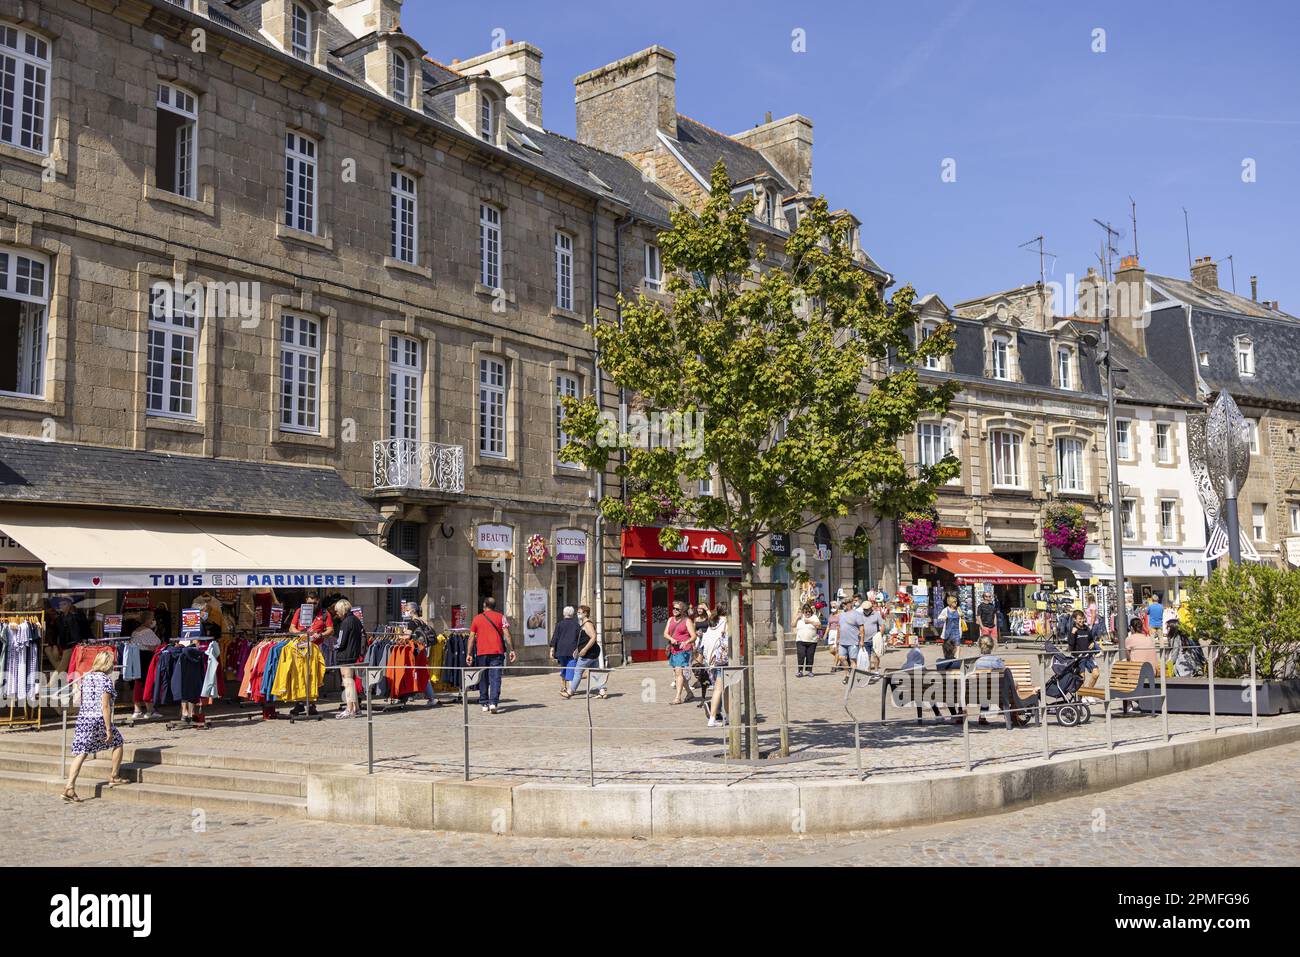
column 94, row 731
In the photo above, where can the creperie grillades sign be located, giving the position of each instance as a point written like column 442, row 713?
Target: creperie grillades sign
column 697, row 544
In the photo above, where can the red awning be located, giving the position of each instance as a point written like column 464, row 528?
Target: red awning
column 976, row 567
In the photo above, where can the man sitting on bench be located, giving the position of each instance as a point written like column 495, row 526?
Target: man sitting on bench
column 1009, row 699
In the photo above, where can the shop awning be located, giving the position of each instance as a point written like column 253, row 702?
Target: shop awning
column 971, row 568
column 1084, row 570
column 652, row 568
column 104, row 548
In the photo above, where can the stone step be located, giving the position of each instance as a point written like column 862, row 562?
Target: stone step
column 174, row 757
column 212, row 779
column 95, row 786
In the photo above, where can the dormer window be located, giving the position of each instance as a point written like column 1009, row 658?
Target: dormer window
column 1001, row 354
column 1245, row 356
column 487, row 117
column 927, row 330
column 300, row 41
column 1065, row 368
column 769, row 207
column 401, row 79
column 791, row 216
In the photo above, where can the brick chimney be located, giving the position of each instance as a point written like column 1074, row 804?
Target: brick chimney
column 518, row 67
column 1254, row 289
column 785, row 143
column 363, row 17
column 1127, row 302
column 622, row 105
column 1205, row 274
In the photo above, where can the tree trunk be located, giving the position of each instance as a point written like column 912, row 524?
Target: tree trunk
column 733, row 701
column 751, row 699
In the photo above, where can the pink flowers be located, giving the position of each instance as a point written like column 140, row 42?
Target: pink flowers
column 1064, row 530
column 920, row 532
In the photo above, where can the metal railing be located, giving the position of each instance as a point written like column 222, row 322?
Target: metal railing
column 408, row 464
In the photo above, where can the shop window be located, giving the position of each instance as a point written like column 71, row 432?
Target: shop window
column 405, row 378
column 300, row 183
column 566, row 387
column 1069, row 465
column 492, row 407
column 24, row 302
column 564, row 271
column 1005, row 448
column 404, row 220
column 176, row 153
column 171, row 365
column 299, row 374
column 489, row 246
column 24, row 89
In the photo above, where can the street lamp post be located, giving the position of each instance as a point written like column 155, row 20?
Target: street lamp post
column 1117, row 503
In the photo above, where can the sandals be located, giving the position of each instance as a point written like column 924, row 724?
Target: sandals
column 70, row 796
column 117, row 782
column 566, row 694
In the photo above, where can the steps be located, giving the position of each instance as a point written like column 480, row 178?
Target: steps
column 236, row 783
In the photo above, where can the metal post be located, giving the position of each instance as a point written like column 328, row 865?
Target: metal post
column 1110, row 734
column 63, row 757
column 1164, row 697
column 370, row 726
column 1254, row 703
column 965, row 714
column 783, row 664
column 591, row 734
column 857, row 745
column 1044, row 670
column 464, row 708
column 1117, row 503
column 1214, row 720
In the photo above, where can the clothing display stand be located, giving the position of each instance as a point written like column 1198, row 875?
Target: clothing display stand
column 31, row 716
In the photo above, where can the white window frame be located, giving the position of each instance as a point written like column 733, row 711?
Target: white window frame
column 1245, row 349
column 300, row 351
column 493, row 385
column 1165, row 453
column 1254, row 435
column 566, row 385
column 928, row 329
column 172, row 357
column 1295, row 518
column 25, row 68
column 489, row 246
column 1259, row 521
column 933, row 442
column 405, row 388
column 563, row 271
column 404, row 217
column 1168, row 519
column 25, row 278
column 706, row 486
column 1065, row 367
column 181, row 102
column 401, row 78
column 654, row 268
column 1006, row 450
column 1070, row 464
column 300, row 33
column 1000, row 347
column 1128, row 518
column 301, row 182
column 1124, row 439
column 487, row 117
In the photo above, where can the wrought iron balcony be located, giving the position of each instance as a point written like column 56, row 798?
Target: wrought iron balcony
column 427, row 466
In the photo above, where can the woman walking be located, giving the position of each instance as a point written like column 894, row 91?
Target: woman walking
column 717, row 649
column 950, row 622
column 94, row 731
column 587, row 654
column 145, row 639
column 805, row 640
column 679, row 634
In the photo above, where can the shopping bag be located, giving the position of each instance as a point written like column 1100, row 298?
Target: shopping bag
column 864, row 659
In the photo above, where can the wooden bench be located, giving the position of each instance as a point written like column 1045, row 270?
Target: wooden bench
column 1022, row 671
column 1126, row 682
column 921, row 688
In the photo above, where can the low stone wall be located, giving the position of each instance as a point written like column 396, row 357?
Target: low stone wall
column 530, row 808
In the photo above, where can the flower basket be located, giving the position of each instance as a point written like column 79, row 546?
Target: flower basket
column 1064, row 529
column 919, row 530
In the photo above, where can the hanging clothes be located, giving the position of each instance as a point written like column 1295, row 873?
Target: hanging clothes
column 212, row 670
column 22, row 659
column 300, row 670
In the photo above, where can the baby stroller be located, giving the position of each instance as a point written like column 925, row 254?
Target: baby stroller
column 1063, row 688
column 1189, row 657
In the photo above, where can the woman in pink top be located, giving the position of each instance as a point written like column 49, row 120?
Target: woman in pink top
column 679, row 634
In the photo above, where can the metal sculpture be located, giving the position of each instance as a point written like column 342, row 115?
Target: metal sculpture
column 1219, row 446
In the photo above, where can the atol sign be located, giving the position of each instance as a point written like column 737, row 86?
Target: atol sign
column 494, row 541
column 697, row 544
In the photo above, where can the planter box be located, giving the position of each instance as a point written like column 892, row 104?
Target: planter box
column 1231, row 696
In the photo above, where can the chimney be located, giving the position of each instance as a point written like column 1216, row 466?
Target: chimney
column 1205, row 274
column 623, row 105
column 1254, row 289
column 363, row 17
column 1127, row 302
column 787, row 144
column 518, row 67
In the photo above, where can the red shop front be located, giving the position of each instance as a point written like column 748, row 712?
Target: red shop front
column 694, row 573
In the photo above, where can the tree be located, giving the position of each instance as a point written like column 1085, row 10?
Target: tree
column 761, row 366
column 1245, row 605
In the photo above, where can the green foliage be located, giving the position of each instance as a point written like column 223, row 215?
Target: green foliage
column 1243, row 606
column 772, row 354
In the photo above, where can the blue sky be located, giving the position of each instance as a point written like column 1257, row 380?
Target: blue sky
column 1046, row 133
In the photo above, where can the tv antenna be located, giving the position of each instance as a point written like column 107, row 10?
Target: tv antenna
column 1042, row 270
column 1187, row 230
column 1233, row 267
column 1133, row 212
column 1108, row 247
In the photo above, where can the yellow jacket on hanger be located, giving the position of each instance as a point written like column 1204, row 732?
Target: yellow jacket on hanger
column 299, row 673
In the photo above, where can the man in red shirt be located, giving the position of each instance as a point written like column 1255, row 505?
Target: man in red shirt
column 488, row 648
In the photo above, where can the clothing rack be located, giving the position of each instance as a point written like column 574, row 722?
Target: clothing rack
column 28, row 720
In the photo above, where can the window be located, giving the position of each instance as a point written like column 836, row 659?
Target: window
column 1203, row 358
column 1065, row 368
column 300, row 44
column 927, row 330
column 654, row 270
column 1124, row 438
column 1254, row 435
column 1164, row 446
column 566, row 386
column 791, row 216
column 175, row 157
column 1001, row 357
column 173, row 352
column 300, row 183
column 769, row 207
column 401, row 79
column 1245, row 356
column 299, row 374
column 405, row 221
column 492, row 407
column 1259, row 522
column 405, row 378
column 1295, row 519
column 24, row 89
column 487, row 117
column 1168, row 520
column 564, row 271
column 1006, row 459
column 489, row 246
column 933, row 442
column 1069, row 465
column 706, row 486
column 1128, row 518
column 24, row 298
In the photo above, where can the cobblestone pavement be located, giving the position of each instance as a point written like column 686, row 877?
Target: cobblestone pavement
column 641, row 737
column 1240, row 812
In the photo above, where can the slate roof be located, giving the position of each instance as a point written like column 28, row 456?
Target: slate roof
column 1219, row 300
column 1277, row 355
column 1034, row 355
column 703, row 147
column 1144, row 382
column 56, row 473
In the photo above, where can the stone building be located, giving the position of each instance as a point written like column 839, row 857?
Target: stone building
column 276, row 233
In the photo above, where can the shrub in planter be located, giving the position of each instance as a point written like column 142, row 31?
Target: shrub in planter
column 1064, row 529
column 1242, row 606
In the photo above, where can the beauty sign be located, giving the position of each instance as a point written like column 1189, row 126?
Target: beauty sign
column 191, row 622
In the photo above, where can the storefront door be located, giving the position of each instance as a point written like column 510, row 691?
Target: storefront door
column 661, row 594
